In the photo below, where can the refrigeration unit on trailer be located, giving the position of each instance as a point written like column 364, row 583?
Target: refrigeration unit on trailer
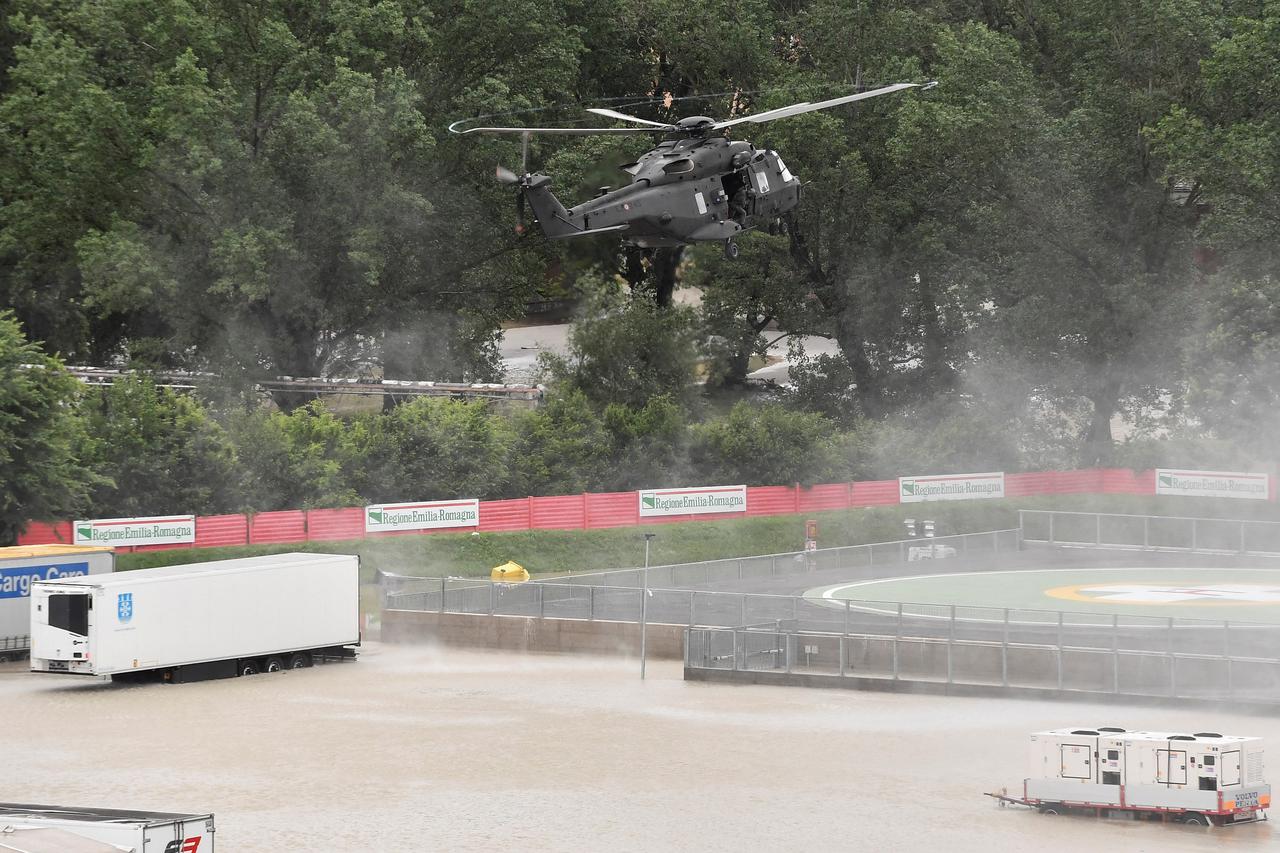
column 200, row 620
column 1199, row 778
column 22, row 566
column 140, row 832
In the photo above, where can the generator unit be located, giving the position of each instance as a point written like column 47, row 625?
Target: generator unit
column 1205, row 777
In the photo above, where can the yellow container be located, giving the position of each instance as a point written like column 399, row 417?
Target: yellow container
column 509, row 572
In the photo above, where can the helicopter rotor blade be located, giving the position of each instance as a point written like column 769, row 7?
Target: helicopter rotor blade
column 600, row 111
column 806, row 107
column 505, row 175
column 556, row 131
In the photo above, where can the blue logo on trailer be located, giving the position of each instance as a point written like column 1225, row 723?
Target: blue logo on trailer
column 124, row 606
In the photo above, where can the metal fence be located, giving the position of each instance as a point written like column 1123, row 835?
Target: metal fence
column 1169, row 533
column 1170, row 661
column 712, row 572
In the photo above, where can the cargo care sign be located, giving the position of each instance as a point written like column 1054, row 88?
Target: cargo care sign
column 950, row 487
column 16, row 583
column 431, row 515
column 1212, row 484
column 694, row 501
column 161, row 530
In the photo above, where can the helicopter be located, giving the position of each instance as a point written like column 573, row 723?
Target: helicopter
column 694, row 186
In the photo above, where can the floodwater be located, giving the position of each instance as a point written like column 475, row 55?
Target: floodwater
column 414, row 748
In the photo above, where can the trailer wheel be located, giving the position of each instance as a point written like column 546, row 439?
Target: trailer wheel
column 1050, row 810
column 299, row 660
column 274, row 664
column 248, row 667
column 1195, row 819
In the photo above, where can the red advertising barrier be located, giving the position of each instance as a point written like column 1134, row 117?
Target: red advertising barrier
column 215, row 530
column 609, row 509
column 613, row 509
column 269, row 527
column 325, row 524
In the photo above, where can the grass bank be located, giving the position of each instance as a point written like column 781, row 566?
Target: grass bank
column 556, row 551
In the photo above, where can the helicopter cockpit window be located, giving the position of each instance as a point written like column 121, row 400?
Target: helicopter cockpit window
column 676, row 167
column 782, row 167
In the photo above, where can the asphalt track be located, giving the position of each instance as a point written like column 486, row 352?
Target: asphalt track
column 1001, row 597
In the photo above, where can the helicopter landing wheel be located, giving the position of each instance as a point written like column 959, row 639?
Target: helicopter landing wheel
column 731, row 250
column 784, row 228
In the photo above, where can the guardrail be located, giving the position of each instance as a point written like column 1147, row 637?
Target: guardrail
column 1150, row 532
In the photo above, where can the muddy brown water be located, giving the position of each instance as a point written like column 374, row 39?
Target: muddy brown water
column 413, row 749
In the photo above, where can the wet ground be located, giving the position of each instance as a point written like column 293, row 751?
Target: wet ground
column 413, row 749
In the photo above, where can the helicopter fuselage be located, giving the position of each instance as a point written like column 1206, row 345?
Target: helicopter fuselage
column 685, row 190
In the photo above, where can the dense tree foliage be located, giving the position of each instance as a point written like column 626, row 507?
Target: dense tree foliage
column 1082, row 221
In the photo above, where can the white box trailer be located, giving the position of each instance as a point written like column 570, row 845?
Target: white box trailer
column 1202, row 778
column 200, row 620
column 22, row 566
column 136, row 831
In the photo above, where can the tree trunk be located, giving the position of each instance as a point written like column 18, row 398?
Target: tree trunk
column 1099, row 442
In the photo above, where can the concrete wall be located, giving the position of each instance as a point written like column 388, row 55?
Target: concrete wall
column 531, row 634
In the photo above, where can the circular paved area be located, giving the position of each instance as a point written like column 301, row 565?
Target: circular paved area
column 1214, row 593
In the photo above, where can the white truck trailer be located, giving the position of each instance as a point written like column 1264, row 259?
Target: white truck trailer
column 21, row 567
column 1199, row 778
column 200, row 620
column 138, row 832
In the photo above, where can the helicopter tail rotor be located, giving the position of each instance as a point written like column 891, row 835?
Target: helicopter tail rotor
column 505, row 175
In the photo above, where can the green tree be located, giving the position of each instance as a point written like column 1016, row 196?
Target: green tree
column 292, row 461
column 562, row 447
column 628, row 351
column 161, row 452
column 430, row 449
column 765, row 445
column 43, row 443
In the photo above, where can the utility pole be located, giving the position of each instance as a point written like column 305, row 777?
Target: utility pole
column 644, row 602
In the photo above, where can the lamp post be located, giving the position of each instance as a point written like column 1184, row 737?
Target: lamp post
column 644, row 602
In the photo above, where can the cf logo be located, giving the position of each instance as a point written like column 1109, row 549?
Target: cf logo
column 182, row 845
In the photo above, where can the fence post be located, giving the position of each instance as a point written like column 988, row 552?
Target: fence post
column 843, row 654
column 542, row 602
column 846, row 617
column 742, row 610
column 492, row 594
column 1051, row 515
column 951, row 642
column 787, row 646
column 1226, row 653
column 691, row 595
column 1097, row 532
column 1060, row 649
column 795, row 614
column 897, row 637
column 442, row 591
column 591, row 611
column 1004, row 651
column 1115, row 653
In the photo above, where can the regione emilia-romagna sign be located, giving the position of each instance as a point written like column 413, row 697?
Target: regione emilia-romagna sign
column 423, row 515
column 950, row 487
column 692, row 501
column 159, row 530
column 1212, row 484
